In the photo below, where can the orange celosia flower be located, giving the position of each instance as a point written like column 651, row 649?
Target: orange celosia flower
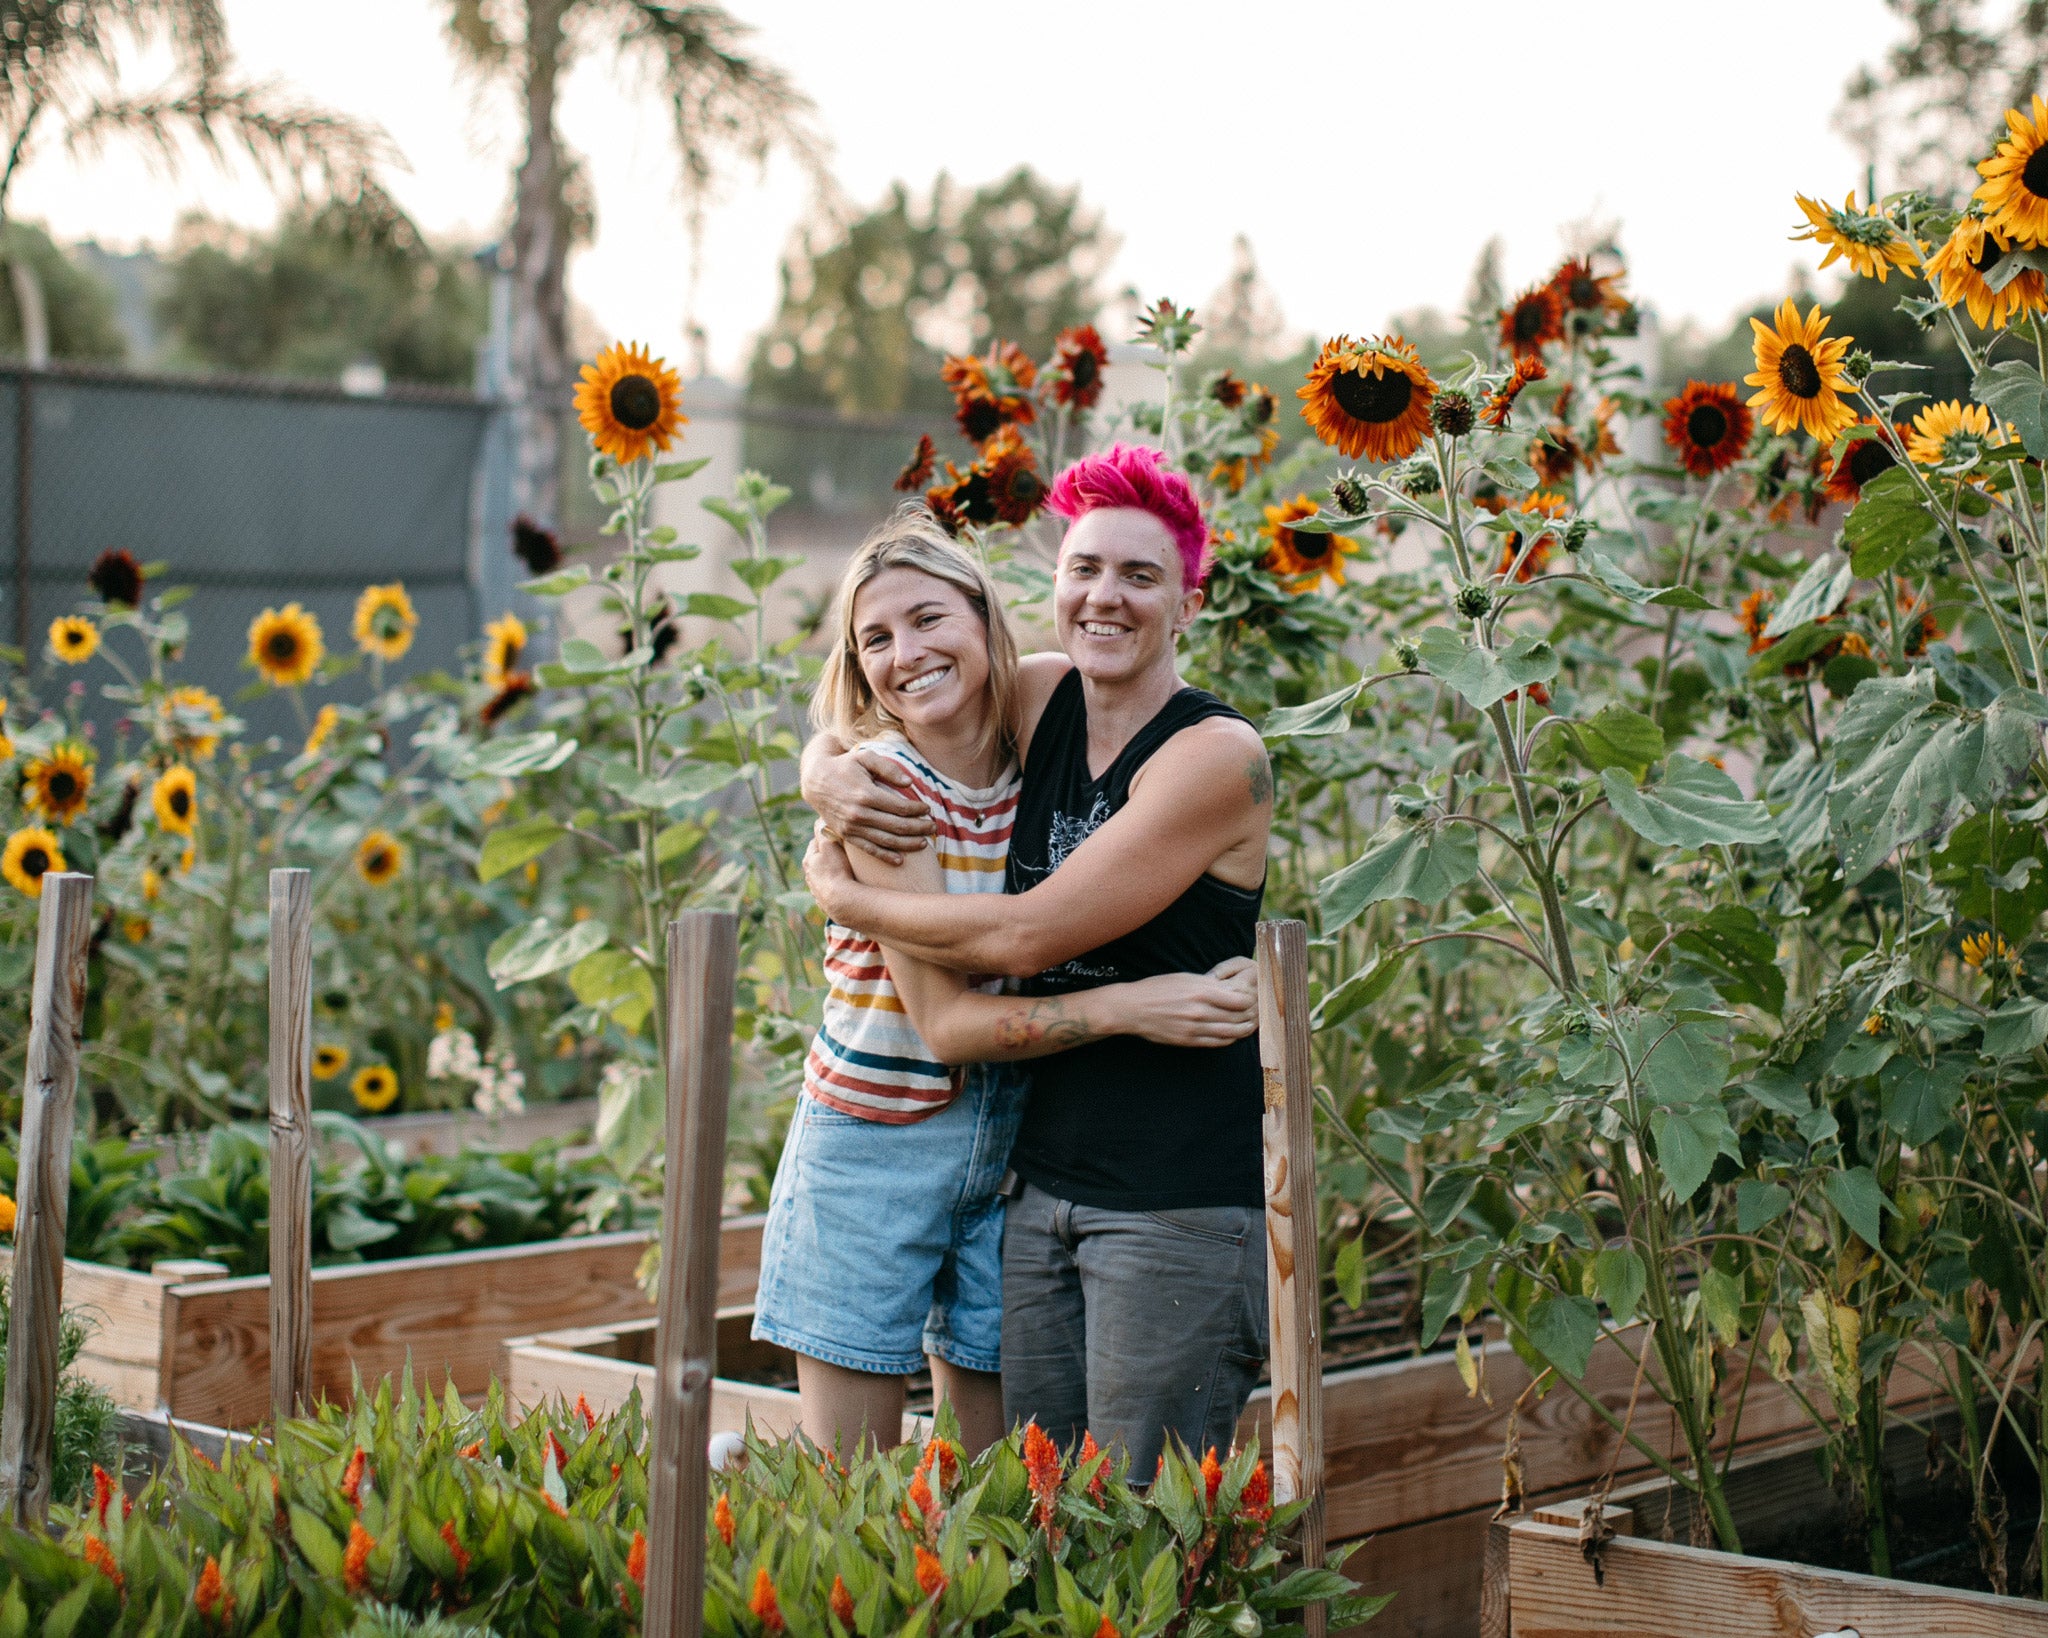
column 553, row 1451
column 636, row 1558
column 102, row 1492
column 931, row 1578
column 1042, row 1463
column 455, row 1547
column 721, row 1518
column 1107, row 1629
column 209, row 1597
column 1212, row 1476
column 101, row 1558
column 475, row 1448
column 1089, row 1451
column 763, row 1602
column 842, row 1603
column 1256, row 1502
column 949, row 1463
column 583, row 1410
column 554, row 1506
column 352, row 1480
column 355, row 1562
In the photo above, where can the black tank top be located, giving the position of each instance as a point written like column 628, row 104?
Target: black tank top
column 1122, row 1123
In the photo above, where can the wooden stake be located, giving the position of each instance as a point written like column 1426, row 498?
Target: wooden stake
column 291, row 1142
column 703, row 957
column 1293, row 1275
column 42, row 1192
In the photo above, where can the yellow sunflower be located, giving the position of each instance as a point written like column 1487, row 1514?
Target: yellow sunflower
column 175, row 799
column 152, row 884
column 1973, row 250
column 1370, row 398
column 58, row 785
column 504, row 642
column 1296, row 556
column 1951, row 434
column 6, row 744
column 324, row 722
column 30, row 855
column 135, row 929
column 380, row 856
column 1800, row 374
column 74, row 639
column 385, row 620
column 286, row 646
column 1980, row 949
column 1863, row 239
column 375, row 1087
column 184, row 713
column 2015, row 185
column 329, row 1061
column 630, row 402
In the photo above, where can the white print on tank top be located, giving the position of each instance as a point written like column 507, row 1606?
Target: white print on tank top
column 1064, row 835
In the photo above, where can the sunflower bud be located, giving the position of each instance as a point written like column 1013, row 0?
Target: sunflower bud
column 1417, row 477
column 1350, row 495
column 1474, row 601
column 1576, row 534
column 1408, row 654
column 1452, row 414
column 1857, row 366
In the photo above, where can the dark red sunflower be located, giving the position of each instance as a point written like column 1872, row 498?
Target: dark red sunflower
column 1582, row 290
column 1708, row 425
column 1858, row 464
column 1078, row 360
column 117, row 577
column 1227, row 390
column 1015, row 489
column 1556, row 454
column 539, row 548
column 917, row 472
column 1542, row 510
column 1531, row 319
column 990, row 391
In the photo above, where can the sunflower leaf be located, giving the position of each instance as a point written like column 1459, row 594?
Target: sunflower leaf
column 1818, row 594
column 1485, row 676
column 2015, row 392
column 510, row 846
column 539, row 948
column 1693, row 805
column 1887, row 523
column 1329, row 715
column 1510, row 473
column 671, row 471
column 1424, row 862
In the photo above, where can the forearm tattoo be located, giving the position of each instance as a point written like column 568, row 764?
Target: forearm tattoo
column 1033, row 1023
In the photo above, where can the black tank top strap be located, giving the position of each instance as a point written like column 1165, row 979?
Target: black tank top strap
column 1184, row 710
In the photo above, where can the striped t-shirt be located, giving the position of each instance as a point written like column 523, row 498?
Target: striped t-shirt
column 868, row 1058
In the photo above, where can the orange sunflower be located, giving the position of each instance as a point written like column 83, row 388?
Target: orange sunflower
column 1297, row 557
column 1548, row 508
column 1864, row 239
column 1708, row 426
column 917, row 471
column 991, row 391
column 630, row 402
column 1531, row 319
column 1581, row 290
column 1015, row 488
column 1078, row 360
column 1369, row 399
column 1862, row 461
column 1972, row 251
column 1799, row 375
column 2015, row 185
column 1500, row 404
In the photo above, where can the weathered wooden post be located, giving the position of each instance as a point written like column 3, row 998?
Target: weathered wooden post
column 291, row 1142
column 1293, row 1276
column 42, row 1197
column 703, row 958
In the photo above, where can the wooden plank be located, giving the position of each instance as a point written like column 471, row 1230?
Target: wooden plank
column 1656, row 1590
column 291, row 1142
column 703, row 961
column 42, row 1190
column 1294, row 1294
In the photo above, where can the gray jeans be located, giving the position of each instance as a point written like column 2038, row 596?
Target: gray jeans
column 1132, row 1325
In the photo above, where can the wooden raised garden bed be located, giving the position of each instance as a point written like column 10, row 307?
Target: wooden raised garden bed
column 1651, row 1587
column 197, row 1346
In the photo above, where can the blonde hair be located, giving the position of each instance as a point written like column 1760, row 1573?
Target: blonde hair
column 844, row 704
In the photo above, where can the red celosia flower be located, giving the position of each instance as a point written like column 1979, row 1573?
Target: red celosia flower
column 763, row 1602
column 209, row 1597
column 1107, row 1629
column 554, row 1506
column 455, row 1547
column 1089, row 1451
column 1529, row 367
column 355, row 1562
column 721, row 1518
column 1042, row 1464
column 1212, row 1476
column 553, row 1450
column 101, row 1558
column 949, row 1462
column 842, row 1603
column 917, row 471
column 1256, row 1501
column 615, row 1473
column 583, row 1410
column 352, row 1480
column 931, row 1577
column 922, row 1499
column 102, row 1492
column 636, row 1558
column 475, row 1448
column 1078, row 360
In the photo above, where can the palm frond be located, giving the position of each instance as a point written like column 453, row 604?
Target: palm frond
column 474, row 32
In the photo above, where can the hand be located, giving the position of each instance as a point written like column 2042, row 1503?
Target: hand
column 1194, row 1009
column 827, row 873
column 862, row 799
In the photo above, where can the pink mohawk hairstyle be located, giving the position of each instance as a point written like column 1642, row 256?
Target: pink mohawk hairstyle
column 1136, row 476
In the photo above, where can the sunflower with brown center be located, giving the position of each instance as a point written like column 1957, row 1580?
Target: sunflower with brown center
column 30, row 855
column 1533, row 318
column 990, row 391
column 380, row 856
column 1580, row 289
column 1227, row 390
column 184, row 716
column 917, row 471
column 1972, row 251
column 1799, row 374
column 2015, row 185
column 1707, row 426
column 375, row 1087
column 504, row 642
column 174, row 798
column 1864, row 239
column 1078, row 360
column 1859, row 463
column 1556, row 454
column 1543, row 509
column 286, row 646
column 539, row 548
column 1297, row 557
column 1015, row 489
column 74, row 639
column 117, row 578
column 1370, row 399
column 630, row 402
column 385, row 620
column 516, row 686
column 58, row 786
column 329, row 1061
column 1952, row 434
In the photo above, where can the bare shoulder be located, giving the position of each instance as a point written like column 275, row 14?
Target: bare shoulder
column 1037, row 676
column 1216, row 755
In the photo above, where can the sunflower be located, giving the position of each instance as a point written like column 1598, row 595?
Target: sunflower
column 1299, row 558
column 1918, row 622
column 152, row 884
column 504, row 642
column 2015, row 185
column 175, row 799
column 1581, row 290
column 384, row 622
column 1531, row 319
column 630, row 402
column 74, row 639
column 325, row 721
column 1227, row 390
column 1548, row 508
column 539, row 548
column 181, row 714
column 1857, row 465
column 375, row 1087
column 1500, row 403
column 30, row 855
column 329, row 1061
column 1864, row 239
column 917, row 471
column 1960, row 264
column 58, row 785
column 516, row 686
column 990, row 392
column 286, row 646
column 1015, row 489
column 1981, row 949
column 117, row 578
column 1078, row 360
column 1950, row 434
column 1556, row 454
column 1754, row 613
column 135, row 929
column 1369, row 399
column 1799, row 374
column 1707, row 425
column 380, row 856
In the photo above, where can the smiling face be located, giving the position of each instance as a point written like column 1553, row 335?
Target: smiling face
column 923, row 649
column 1118, row 603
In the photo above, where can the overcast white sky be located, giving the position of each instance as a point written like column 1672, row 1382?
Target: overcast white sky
column 1367, row 149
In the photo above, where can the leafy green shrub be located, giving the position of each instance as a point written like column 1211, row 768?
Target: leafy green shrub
column 86, row 1417
column 410, row 1514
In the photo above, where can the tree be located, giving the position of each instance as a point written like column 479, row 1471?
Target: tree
column 721, row 101
column 319, row 293
column 79, row 315
column 871, row 303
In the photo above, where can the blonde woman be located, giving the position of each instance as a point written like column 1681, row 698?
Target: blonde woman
column 883, row 1246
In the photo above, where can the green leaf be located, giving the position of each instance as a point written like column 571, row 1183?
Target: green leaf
column 1443, row 1294
column 510, row 846
column 716, row 606
column 1801, row 643
column 2015, row 392
column 1564, row 1330
column 631, row 1110
column 1361, row 989
column 1687, row 1142
column 1919, row 1100
column 1625, row 585
column 1739, row 954
column 1416, row 860
column 317, row 1542
column 1617, row 737
column 1510, row 473
column 1819, row 592
column 515, row 754
column 672, row 471
column 760, row 573
column 1447, row 1195
column 560, row 583
column 1721, row 1300
column 687, row 784
column 1886, row 523
column 1686, row 1065
column 1348, row 1269
column 1759, row 1204
column 2016, row 1028
column 1693, row 805
column 537, row 949
column 1485, row 676
column 1622, row 1280
column 1855, row 1193
column 613, row 982
column 671, row 554
column 1329, row 715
